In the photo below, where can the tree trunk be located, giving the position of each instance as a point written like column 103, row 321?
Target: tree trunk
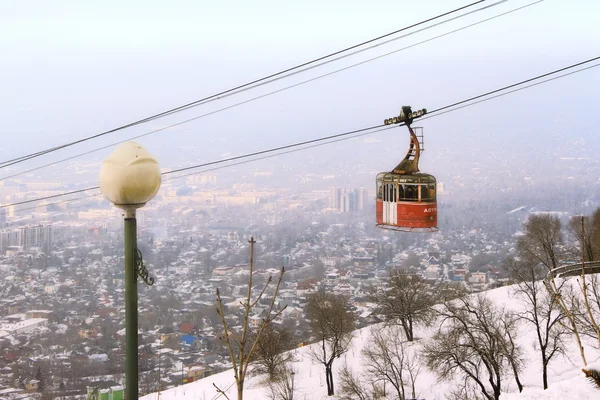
column 407, row 329
column 517, row 379
column 497, row 388
column 329, row 376
column 545, row 372
column 240, row 390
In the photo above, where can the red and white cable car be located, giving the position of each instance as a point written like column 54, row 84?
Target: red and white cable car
column 406, row 198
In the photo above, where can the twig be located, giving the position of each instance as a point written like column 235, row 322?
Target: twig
column 221, row 392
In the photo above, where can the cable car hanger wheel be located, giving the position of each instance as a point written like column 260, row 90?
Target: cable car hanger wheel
column 406, row 198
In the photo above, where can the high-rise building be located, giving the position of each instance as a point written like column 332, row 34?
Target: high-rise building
column 347, row 200
column 27, row 237
column 2, row 218
column 361, row 198
column 335, row 198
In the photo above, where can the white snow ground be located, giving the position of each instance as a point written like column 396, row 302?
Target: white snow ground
column 565, row 376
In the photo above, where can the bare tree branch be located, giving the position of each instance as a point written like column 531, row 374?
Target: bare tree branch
column 241, row 354
column 331, row 324
column 220, row 391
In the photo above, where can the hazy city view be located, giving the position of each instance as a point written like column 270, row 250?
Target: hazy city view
column 275, row 260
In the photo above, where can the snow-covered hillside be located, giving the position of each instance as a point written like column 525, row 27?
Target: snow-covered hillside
column 565, row 376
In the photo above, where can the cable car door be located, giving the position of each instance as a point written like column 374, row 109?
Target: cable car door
column 390, row 209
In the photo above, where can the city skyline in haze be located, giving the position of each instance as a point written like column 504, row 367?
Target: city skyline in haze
column 76, row 69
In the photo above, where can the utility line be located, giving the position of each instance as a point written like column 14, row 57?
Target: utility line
column 283, row 152
column 269, row 93
column 349, row 134
column 340, row 57
column 332, row 141
column 505, row 93
column 55, row 203
column 217, row 95
column 209, row 163
column 275, row 149
column 517, row 84
column 171, row 178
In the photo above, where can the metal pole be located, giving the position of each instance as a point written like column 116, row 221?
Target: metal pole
column 131, row 317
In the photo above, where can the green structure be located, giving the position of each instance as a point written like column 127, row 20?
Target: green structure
column 114, row 393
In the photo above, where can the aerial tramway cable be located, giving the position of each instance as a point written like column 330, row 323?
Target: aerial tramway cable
column 353, row 133
column 219, row 95
column 281, row 89
column 294, row 150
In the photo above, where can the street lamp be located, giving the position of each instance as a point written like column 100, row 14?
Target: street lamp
column 129, row 178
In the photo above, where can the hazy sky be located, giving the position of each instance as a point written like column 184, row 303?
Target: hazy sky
column 75, row 68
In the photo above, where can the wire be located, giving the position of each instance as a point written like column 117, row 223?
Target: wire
column 205, row 164
column 221, row 167
column 283, row 152
column 215, row 96
column 509, row 92
column 320, row 64
column 54, row 203
column 272, row 92
column 256, row 153
column 516, row 84
column 349, row 133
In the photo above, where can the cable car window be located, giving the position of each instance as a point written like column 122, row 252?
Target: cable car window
column 379, row 189
column 409, row 193
column 428, row 192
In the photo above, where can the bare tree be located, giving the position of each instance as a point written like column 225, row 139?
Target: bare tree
column 542, row 311
column 271, row 354
column 472, row 342
column 584, row 236
column 542, row 241
column 583, row 285
column 592, row 308
column 405, row 299
column 542, row 244
column 331, row 323
column 387, row 360
column 512, row 351
column 284, row 387
column 571, row 308
column 595, row 233
column 589, row 236
column 581, row 314
column 352, row 387
column 240, row 347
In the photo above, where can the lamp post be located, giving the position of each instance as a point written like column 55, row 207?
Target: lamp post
column 129, row 178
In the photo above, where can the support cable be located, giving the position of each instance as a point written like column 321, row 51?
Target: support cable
column 226, row 92
column 350, row 134
column 272, row 92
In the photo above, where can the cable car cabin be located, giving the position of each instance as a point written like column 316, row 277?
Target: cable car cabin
column 406, row 202
column 406, row 197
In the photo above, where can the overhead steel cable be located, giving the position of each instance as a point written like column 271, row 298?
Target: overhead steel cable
column 54, row 203
column 217, row 95
column 294, row 150
column 438, row 112
column 357, row 132
column 272, row 150
column 322, row 62
column 516, row 84
column 272, row 92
